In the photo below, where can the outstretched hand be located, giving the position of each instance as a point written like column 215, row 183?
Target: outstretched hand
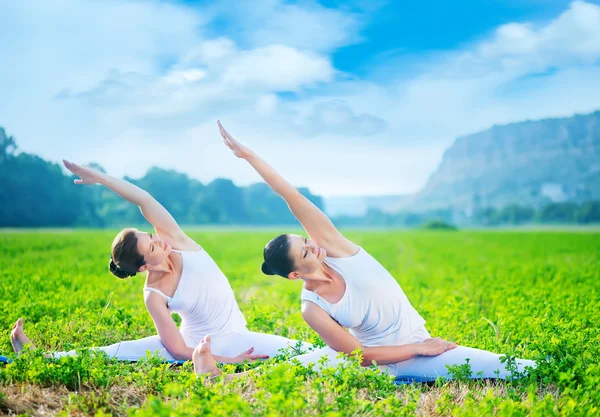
column 238, row 149
column 247, row 355
column 435, row 347
column 86, row 175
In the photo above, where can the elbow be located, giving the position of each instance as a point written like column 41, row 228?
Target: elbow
column 367, row 358
column 181, row 357
column 179, row 354
column 370, row 355
column 366, row 355
column 292, row 196
column 145, row 197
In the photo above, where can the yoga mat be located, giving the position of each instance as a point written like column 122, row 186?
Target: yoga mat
column 411, row 379
column 4, row 359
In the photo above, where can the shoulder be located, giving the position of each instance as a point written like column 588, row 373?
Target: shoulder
column 318, row 319
column 153, row 301
column 310, row 310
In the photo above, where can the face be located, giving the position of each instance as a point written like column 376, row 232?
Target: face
column 306, row 254
column 154, row 249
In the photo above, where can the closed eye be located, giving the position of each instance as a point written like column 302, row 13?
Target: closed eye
column 305, row 251
column 151, row 245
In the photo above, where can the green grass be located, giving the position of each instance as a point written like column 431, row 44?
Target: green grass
column 533, row 295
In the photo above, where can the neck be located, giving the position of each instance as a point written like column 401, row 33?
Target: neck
column 318, row 279
column 166, row 266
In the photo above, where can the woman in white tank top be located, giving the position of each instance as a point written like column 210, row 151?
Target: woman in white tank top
column 346, row 288
column 180, row 278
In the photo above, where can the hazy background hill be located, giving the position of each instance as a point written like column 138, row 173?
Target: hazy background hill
column 528, row 163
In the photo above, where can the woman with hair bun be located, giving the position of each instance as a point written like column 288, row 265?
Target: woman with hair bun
column 180, row 278
column 346, row 288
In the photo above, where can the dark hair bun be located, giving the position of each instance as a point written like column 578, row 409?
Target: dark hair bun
column 118, row 272
column 277, row 257
column 265, row 269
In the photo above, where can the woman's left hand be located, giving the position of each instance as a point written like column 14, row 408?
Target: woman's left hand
column 248, row 356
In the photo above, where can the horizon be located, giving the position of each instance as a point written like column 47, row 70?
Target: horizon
column 366, row 96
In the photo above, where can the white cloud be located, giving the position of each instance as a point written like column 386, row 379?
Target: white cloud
column 573, row 38
column 306, row 25
column 337, row 117
column 278, row 68
column 182, row 77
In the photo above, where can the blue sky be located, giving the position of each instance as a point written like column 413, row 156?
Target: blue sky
column 347, row 98
column 417, row 26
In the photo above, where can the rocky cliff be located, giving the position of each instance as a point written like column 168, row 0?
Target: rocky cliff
column 527, row 163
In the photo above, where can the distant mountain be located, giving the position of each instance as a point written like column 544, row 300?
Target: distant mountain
column 359, row 206
column 527, row 163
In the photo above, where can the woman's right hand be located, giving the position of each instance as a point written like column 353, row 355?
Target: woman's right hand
column 248, row 356
column 435, row 346
column 238, row 149
column 86, row 175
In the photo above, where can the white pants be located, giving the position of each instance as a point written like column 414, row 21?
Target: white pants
column 483, row 364
column 229, row 346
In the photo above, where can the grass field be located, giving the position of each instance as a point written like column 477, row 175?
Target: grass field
column 533, row 295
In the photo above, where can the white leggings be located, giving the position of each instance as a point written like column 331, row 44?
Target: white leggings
column 483, row 364
column 229, row 346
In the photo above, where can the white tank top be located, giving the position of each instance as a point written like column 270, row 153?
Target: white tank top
column 374, row 308
column 204, row 300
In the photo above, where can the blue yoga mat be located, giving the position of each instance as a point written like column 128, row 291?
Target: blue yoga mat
column 4, row 359
column 177, row 362
column 410, row 379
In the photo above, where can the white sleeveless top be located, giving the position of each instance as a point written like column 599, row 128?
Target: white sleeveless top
column 374, row 308
column 204, row 300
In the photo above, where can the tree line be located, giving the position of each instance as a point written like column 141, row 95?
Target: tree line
column 38, row 193
column 584, row 213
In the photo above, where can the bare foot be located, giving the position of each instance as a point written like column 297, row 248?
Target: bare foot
column 204, row 362
column 18, row 337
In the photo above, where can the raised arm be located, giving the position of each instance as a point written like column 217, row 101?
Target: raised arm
column 171, row 337
column 340, row 340
column 315, row 222
column 164, row 224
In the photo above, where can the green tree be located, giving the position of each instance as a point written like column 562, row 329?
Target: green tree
column 557, row 213
column 589, row 212
column 515, row 214
column 7, row 145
